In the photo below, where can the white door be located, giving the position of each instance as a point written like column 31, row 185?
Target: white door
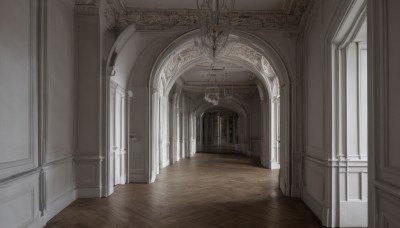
column 118, row 140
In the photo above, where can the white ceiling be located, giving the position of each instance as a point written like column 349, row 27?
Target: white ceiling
column 191, row 4
column 241, row 80
column 226, row 73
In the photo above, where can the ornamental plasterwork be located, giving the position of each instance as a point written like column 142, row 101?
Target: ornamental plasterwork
column 86, row 10
column 146, row 19
column 177, row 60
column 246, row 53
column 115, row 14
column 268, row 70
column 87, row 7
column 87, row 2
column 118, row 16
column 113, row 11
column 150, row 19
column 233, row 49
column 286, row 18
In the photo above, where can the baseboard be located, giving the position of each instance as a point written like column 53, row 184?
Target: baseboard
column 56, row 206
column 295, row 192
column 137, row 178
column 313, row 204
column 88, row 192
column 353, row 214
column 164, row 164
column 53, row 208
column 275, row 165
column 264, row 162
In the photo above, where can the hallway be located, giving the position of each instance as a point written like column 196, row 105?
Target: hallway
column 209, row 190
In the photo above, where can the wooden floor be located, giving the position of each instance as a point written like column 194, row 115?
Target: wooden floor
column 209, row 190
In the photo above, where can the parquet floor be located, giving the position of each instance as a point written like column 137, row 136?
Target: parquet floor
column 209, row 190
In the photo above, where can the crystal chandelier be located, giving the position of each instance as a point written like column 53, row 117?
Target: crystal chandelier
column 212, row 93
column 215, row 23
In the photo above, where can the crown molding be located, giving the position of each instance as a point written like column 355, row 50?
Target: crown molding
column 184, row 19
column 86, row 10
column 87, row 2
column 288, row 18
column 115, row 14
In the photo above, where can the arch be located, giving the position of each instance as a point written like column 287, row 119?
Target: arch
column 233, row 105
column 244, row 49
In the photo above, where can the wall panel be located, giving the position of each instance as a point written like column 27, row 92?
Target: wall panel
column 19, row 201
column 18, row 86
column 314, row 185
column 393, row 93
column 60, row 80
column 314, row 89
column 384, row 194
column 88, row 85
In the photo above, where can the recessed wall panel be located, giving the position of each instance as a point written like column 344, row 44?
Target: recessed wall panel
column 393, row 156
column 60, row 79
column 314, row 89
column 58, row 180
column 19, row 204
column 17, row 80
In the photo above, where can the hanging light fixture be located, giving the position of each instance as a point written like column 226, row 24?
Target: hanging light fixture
column 211, row 93
column 215, row 23
column 214, row 93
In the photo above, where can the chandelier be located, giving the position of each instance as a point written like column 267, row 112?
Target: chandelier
column 215, row 92
column 215, row 23
column 212, row 95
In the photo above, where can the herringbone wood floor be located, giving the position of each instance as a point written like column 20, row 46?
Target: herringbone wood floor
column 208, row 190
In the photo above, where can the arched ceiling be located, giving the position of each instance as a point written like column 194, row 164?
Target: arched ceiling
column 239, row 59
column 225, row 72
column 222, row 74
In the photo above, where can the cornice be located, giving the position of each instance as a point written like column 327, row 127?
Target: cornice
column 86, row 10
column 87, row 2
column 184, row 19
column 115, row 14
column 289, row 17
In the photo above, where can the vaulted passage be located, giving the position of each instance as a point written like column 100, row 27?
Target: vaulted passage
column 208, row 190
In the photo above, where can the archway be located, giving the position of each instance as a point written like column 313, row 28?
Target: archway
column 249, row 52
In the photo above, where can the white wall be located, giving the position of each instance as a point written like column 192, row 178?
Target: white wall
column 61, row 103
column 314, row 155
column 88, row 158
column 37, row 126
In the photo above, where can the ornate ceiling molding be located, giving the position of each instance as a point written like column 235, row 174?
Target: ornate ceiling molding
column 286, row 18
column 86, row 10
column 87, row 2
column 115, row 14
column 149, row 19
column 118, row 16
column 234, row 49
column 87, row 7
